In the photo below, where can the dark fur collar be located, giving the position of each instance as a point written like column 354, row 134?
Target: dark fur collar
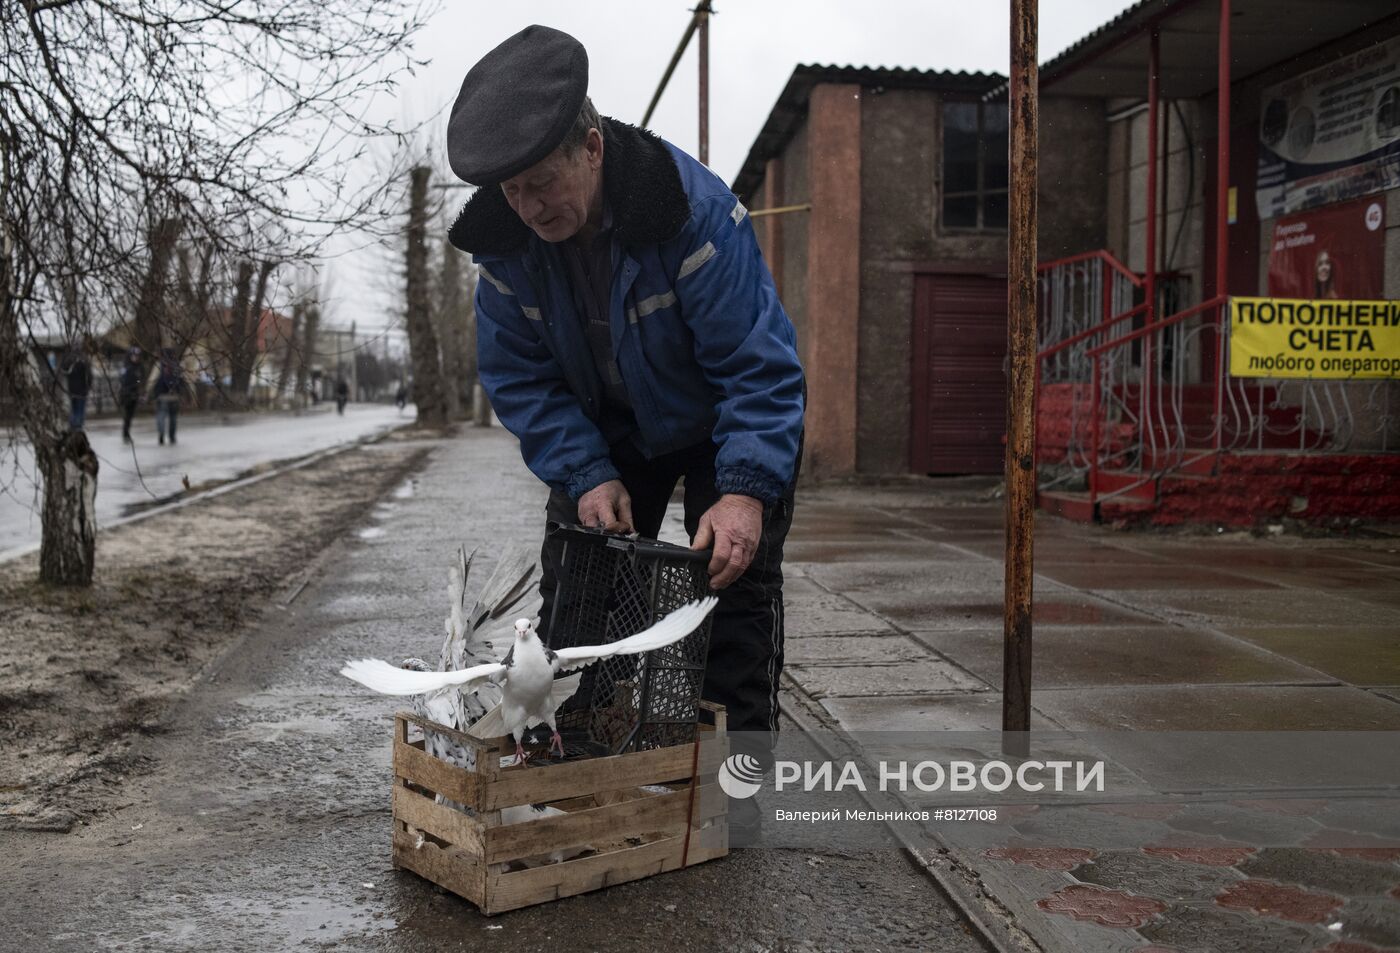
column 641, row 183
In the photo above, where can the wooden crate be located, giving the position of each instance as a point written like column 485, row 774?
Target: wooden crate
column 630, row 832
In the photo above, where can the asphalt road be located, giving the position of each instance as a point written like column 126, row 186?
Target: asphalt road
column 263, row 824
column 211, row 448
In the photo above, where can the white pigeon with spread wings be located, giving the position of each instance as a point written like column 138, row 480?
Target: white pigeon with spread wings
column 472, row 636
column 526, row 674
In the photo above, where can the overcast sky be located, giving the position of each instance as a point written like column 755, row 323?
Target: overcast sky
column 754, row 46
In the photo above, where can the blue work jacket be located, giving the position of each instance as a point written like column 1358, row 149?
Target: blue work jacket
column 702, row 343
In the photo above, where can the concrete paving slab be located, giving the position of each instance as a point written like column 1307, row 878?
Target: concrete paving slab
column 1388, row 598
column 1047, row 551
column 1150, row 876
column 810, row 610
column 920, row 677
column 1225, row 609
column 1108, row 575
column 1367, row 655
column 816, row 520
column 1321, row 870
column 803, row 551
column 1242, row 556
column 851, row 649
column 968, row 712
column 933, row 608
column 1069, row 656
column 1343, row 581
column 1378, row 557
column 1372, row 920
column 1208, row 928
column 1219, row 708
column 893, row 575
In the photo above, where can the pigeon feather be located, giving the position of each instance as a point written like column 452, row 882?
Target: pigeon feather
column 387, row 679
column 672, row 628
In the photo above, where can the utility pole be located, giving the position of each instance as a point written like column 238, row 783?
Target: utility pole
column 1020, row 385
column 702, row 15
column 699, row 20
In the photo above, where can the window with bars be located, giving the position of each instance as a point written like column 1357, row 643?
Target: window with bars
column 974, row 166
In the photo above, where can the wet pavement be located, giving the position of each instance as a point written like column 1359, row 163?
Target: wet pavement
column 1134, row 632
column 266, row 826
column 211, row 448
column 264, row 823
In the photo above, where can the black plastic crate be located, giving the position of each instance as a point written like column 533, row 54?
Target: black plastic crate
column 610, row 587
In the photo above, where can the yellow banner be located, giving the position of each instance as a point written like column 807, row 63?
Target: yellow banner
column 1321, row 339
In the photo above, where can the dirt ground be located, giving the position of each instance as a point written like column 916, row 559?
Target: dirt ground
column 84, row 672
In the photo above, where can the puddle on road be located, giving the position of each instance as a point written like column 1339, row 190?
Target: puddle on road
column 370, row 532
column 275, row 730
column 405, row 489
column 285, row 922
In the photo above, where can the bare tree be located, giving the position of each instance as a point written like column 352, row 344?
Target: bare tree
column 120, row 119
column 244, row 324
column 456, row 323
column 428, row 390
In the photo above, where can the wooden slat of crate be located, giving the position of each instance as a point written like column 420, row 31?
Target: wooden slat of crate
column 414, row 764
column 509, row 891
column 449, row 867
column 464, row 866
column 655, row 813
column 525, row 785
column 444, row 823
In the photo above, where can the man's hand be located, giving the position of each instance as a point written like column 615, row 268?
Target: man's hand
column 606, row 506
column 733, row 526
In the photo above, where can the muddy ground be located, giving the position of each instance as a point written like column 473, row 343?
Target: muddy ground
column 85, row 672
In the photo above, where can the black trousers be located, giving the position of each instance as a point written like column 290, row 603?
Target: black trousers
column 746, row 641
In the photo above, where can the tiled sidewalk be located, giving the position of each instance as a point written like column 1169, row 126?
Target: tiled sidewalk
column 894, row 622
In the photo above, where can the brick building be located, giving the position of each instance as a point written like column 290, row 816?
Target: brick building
column 893, row 263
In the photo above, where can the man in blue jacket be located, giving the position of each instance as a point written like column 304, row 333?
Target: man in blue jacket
column 630, row 335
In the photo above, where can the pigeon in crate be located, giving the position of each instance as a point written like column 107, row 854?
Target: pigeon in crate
column 473, row 635
column 529, row 694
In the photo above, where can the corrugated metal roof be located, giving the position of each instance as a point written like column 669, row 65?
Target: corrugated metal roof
column 1112, row 60
column 791, row 107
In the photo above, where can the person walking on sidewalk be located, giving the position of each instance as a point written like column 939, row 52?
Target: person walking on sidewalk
column 79, row 374
column 630, row 335
column 342, row 395
column 168, row 390
column 133, row 376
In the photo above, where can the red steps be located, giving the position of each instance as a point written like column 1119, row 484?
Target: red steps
column 1245, row 489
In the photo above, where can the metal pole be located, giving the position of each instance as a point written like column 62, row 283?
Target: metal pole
column 1222, row 156
column 704, row 6
column 1150, row 224
column 1020, row 386
column 1222, row 230
column 702, row 15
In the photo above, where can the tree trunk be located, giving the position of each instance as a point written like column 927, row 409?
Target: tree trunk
column 450, row 319
column 428, row 391
column 234, row 327
column 152, row 301
column 68, row 468
column 245, row 351
column 66, row 464
column 289, row 351
column 307, row 355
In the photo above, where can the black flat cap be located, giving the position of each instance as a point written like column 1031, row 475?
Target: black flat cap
column 516, row 105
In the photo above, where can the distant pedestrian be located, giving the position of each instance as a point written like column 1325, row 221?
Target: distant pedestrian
column 79, row 383
column 342, row 395
column 131, row 380
column 169, row 388
column 401, row 397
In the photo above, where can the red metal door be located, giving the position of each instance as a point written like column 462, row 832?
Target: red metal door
column 959, row 376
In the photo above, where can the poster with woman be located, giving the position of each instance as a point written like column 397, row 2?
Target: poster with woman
column 1335, row 251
